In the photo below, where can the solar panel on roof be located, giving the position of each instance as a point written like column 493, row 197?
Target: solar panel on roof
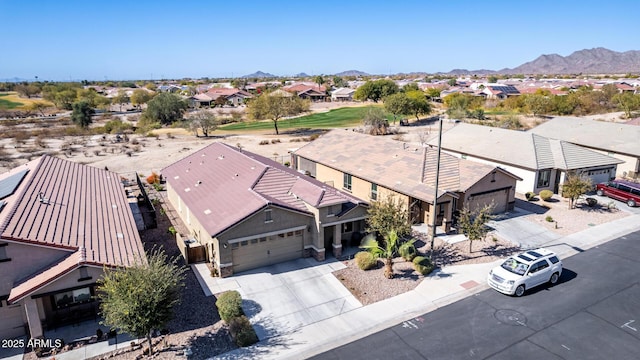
column 9, row 185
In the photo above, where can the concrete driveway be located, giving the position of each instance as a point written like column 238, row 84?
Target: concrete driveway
column 514, row 227
column 605, row 200
column 281, row 298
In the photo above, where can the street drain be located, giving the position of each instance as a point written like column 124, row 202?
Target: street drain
column 511, row 317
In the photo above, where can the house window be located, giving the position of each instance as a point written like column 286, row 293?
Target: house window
column 543, row 178
column 347, row 227
column 441, row 210
column 74, row 297
column 3, row 252
column 374, row 191
column 346, row 181
column 267, row 216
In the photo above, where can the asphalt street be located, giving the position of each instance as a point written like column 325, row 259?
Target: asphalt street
column 592, row 313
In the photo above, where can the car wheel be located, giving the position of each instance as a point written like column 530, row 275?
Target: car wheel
column 554, row 278
column 519, row 291
column 600, row 192
column 631, row 203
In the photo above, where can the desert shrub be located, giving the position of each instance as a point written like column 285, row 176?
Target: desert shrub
column 39, row 141
column 591, row 202
column 287, row 164
column 365, row 260
column 422, row 265
column 408, row 251
column 116, row 126
column 545, row 195
column 549, row 219
column 275, row 141
column 242, row 331
column 530, row 195
column 229, row 305
column 153, row 178
column 313, row 137
column 264, row 142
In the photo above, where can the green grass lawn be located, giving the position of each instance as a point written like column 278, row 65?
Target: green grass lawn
column 8, row 104
column 342, row 117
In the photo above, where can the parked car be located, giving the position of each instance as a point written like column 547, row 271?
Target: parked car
column 525, row 271
column 626, row 191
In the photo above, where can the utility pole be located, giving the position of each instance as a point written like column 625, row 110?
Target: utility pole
column 435, row 195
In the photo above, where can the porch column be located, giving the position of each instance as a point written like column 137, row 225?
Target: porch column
column 33, row 318
column 337, row 240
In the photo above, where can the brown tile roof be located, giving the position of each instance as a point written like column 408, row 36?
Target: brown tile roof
column 223, row 186
column 393, row 164
column 70, row 206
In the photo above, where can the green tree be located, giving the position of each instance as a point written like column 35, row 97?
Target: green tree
column 473, row 224
column 627, row 102
column 386, row 215
column 165, row 108
column 140, row 97
column 452, row 82
column 27, row 90
column 65, row 98
column 375, row 121
column 433, row 93
column 376, row 90
column 419, row 103
column 410, row 87
column 387, row 249
column 339, row 82
column 538, row 104
column 121, row 99
column 398, row 104
column 39, row 106
column 319, row 80
column 140, row 298
column 492, row 79
column 575, row 186
column 204, row 120
column 81, row 113
column 275, row 106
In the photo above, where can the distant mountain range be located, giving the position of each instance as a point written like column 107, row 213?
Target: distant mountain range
column 588, row 61
column 263, row 75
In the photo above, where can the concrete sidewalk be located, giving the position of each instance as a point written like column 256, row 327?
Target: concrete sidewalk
column 441, row 288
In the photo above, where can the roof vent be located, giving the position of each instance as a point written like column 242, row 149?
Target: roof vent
column 198, row 182
column 43, row 200
column 187, row 189
column 220, row 157
column 207, row 212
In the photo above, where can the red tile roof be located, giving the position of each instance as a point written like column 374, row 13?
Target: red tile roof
column 222, row 186
column 66, row 205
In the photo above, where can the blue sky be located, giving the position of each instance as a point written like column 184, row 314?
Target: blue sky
column 97, row 40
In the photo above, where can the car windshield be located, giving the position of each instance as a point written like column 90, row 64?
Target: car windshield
column 514, row 266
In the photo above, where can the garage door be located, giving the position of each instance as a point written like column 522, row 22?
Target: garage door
column 600, row 176
column 11, row 325
column 250, row 254
column 499, row 199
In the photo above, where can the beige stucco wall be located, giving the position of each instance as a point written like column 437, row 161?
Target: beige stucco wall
column 256, row 226
column 489, row 183
column 25, row 260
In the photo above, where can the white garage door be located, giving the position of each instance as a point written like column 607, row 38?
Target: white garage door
column 600, row 176
column 250, row 254
column 499, row 199
column 11, row 325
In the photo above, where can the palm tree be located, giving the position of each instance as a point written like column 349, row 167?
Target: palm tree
column 387, row 250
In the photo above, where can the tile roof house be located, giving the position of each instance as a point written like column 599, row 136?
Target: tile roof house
column 614, row 139
column 374, row 167
column 342, row 94
column 500, row 91
column 314, row 92
column 541, row 162
column 231, row 96
column 61, row 223
column 248, row 211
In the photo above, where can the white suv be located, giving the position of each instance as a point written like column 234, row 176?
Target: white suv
column 525, row 271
